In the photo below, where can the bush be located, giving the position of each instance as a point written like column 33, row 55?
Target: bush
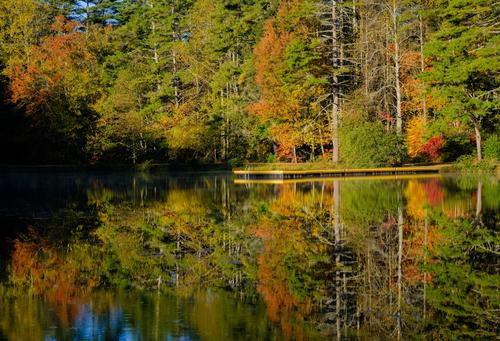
column 368, row 144
column 491, row 147
column 457, row 140
column 432, row 148
column 272, row 157
column 469, row 163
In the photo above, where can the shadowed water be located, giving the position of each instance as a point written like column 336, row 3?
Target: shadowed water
column 121, row 256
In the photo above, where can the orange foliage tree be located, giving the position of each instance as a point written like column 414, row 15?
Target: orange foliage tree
column 58, row 85
column 288, row 73
column 61, row 68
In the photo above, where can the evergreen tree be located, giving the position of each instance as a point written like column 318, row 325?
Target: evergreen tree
column 465, row 63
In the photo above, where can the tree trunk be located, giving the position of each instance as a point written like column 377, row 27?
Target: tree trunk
column 156, row 57
column 397, row 68
column 174, row 65
column 321, row 143
column 335, row 131
column 335, row 92
column 422, row 67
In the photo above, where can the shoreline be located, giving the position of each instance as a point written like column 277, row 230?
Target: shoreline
column 249, row 174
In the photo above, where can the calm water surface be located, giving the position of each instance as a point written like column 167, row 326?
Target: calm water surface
column 119, row 256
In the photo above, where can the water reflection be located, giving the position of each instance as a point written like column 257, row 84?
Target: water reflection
column 198, row 257
column 147, row 316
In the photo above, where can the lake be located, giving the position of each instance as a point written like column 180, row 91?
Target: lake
column 196, row 256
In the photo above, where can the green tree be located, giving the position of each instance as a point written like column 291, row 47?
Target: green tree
column 465, row 63
column 141, row 83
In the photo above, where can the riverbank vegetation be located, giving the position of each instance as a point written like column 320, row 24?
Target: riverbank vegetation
column 359, row 84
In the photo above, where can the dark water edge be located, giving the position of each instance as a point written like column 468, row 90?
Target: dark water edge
column 193, row 256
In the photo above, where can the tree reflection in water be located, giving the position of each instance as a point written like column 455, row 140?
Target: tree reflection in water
column 200, row 257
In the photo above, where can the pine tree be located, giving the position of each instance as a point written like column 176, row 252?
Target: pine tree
column 465, row 63
column 141, row 76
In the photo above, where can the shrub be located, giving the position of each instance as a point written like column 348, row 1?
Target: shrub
column 469, row 163
column 368, row 144
column 491, row 147
column 432, row 148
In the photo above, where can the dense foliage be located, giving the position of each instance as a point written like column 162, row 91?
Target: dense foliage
column 360, row 83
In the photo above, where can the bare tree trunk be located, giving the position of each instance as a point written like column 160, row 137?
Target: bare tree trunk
column 364, row 52
column 387, row 72
column 222, row 137
column 321, row 142
column 397, row 68
column 174, row 65
column 422, row 66
column 335, row 92
column 156, row 57
column 335, row 131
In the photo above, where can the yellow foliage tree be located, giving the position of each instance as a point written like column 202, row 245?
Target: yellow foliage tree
column 414, row 135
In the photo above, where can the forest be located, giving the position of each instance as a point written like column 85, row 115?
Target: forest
column 352, row 83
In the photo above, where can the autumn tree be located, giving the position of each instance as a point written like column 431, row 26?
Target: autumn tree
column 391, row 37
column 23, row 23
column 291, row 77
column 218, row 79
column 57, row 86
